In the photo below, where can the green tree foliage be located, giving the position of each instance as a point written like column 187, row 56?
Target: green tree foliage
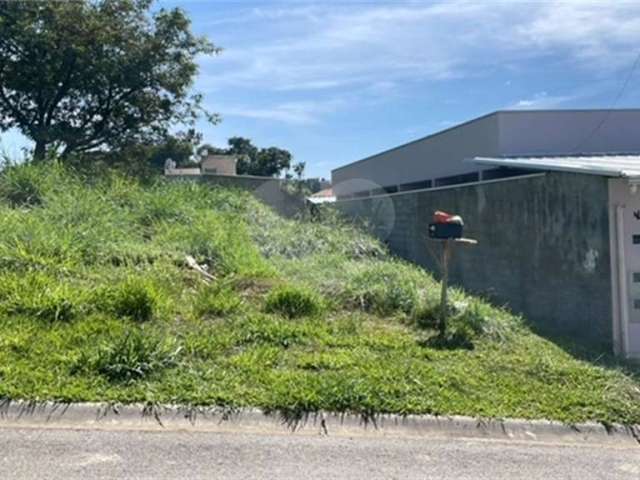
column 298, row 169
column 252, row 160
column 246, row 151
column 82, row 75
column 207, row 148
column 145, row 159
column 178, row 147
column 269, row 162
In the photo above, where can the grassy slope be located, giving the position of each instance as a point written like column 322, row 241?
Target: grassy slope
column 96, row 303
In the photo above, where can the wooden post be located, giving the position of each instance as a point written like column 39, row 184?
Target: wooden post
column 446, row 253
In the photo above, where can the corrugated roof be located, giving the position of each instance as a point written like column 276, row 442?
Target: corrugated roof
column 606, row 165
column 327, row 192
column 323, row 196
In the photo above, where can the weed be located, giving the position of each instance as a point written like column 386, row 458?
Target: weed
column 266, row 329
column 134, row 356
column 216, row 300
column 105, row 249
column 134, row 299
column 384, row 289
column 38, row 296
column 293, row 302
column 20, row 186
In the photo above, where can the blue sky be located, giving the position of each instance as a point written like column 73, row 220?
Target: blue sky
column 335, row 81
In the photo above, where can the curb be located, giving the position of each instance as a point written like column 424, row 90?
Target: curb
column 206, row 419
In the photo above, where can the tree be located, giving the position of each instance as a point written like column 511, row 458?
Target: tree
column 298, row 168
column 270, row 162
column 143, row 160
column 82, row 75
column 243, row 148
column 178, row 147
column 206, row 148
column 267, row 162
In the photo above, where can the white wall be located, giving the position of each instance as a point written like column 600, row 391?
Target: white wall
column 624, row 265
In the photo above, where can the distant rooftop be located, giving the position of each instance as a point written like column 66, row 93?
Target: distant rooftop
column 323, row 196
column 521, row 112
column 615, row 165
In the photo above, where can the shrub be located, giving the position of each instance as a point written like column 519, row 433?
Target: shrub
column 219, row 241
column 458, row 335
column 37, row 296
column 383, row 288
column 216, row 300
column 54, row 305
column 428, row 316
column 468, row 322
column 134, row 356
column 133, row 299
column 161, row 203
column 297, row 239
column 20, row 186
column 293, row 302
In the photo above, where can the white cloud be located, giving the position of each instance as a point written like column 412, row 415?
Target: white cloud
column 315, row 47
column 543, row 100
column 369, row 51
column 595, row 34
column 295, row 113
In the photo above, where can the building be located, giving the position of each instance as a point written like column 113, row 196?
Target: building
column 551, row 196
column 219, row 165
column 323, row 196
column 441, row 159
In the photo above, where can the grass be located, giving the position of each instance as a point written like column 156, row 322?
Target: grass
column 98, row 303
column 132, row 299
column 293, row 302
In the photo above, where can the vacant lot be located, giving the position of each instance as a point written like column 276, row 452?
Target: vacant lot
column 98, row 302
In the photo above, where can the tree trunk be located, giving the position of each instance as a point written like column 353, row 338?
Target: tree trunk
column 40, row 152
column 66, row 152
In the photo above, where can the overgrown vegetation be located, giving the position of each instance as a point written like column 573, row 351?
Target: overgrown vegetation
column 131, row 357
column 98, row 302
column 216, row 300
column 293, row 302
column 132, row 299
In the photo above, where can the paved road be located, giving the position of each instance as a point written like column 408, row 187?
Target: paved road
column 88, row 454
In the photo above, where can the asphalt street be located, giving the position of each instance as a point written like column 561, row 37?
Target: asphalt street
column 87, row 454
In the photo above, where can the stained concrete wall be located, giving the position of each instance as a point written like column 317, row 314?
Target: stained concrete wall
column 219, row 164
column 543, row 245
column 270, row 190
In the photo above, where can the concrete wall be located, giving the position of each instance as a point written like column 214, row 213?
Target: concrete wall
column 270, row 190
column 543, row 245
column 219, row 164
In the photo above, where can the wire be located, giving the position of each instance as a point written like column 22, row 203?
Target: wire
column 597, row 128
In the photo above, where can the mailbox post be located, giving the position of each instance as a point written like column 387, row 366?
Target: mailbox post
column 447, row 229
column 446, row 252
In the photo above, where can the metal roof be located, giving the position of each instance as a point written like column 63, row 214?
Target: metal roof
column 605, row 165
column 323, row 196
